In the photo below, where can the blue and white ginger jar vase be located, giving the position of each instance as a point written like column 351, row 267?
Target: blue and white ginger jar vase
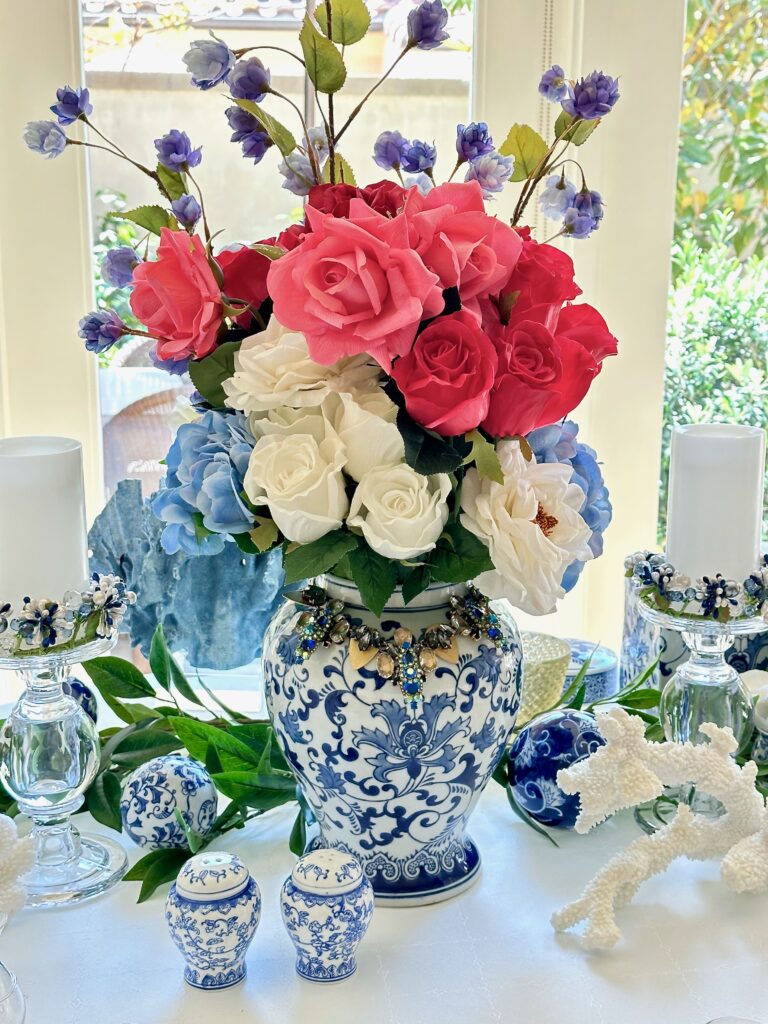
column 153, row 793
column 390, row 783
column 327, row 905
column 212, row 911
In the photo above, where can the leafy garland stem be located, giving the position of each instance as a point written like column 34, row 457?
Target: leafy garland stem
column 312, row 155
column 331, row 118
column 539, row 171
column 371, row 91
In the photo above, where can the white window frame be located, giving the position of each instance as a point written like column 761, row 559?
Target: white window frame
column 49, row 384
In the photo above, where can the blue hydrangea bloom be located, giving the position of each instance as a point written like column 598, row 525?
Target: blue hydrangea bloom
column 553, row 85
column 419, row 156
column 584, row 215
column 175, row 151
column 389, row 150
column 71, row 104
column 591, row 97
column 298, row 174
column 117, row 266
column 209, row 61
column 422, row 182
column 101, row 329
column 206, row 467
column 557, row 443
column 187, row 210
column 45, row 138
column 177, row 367
column 249, row 80
column 426, row 25
column 557, row 196
column 491, row 171
column 473, row 140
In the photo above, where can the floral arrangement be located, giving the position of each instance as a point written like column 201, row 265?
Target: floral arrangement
column 381, row 388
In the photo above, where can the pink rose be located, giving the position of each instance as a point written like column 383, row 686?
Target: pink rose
column 541, row 378
column 354, row 285
column 584, row 324
column 446, row 378
column 460, row 242
column 176, row 297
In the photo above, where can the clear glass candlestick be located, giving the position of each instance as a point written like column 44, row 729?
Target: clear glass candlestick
column 49, row 755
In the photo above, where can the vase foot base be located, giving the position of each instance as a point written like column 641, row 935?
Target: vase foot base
column 100, row 865
column 437, row 894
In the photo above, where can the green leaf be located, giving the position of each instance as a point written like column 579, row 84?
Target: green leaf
column 279, row 134
column 325, row 66
column 160, row 658
column 208, row 374
column 579, row 133
column 260, row 539
column 102, row 800
column 182, row 684
column 577, row 701
column 429, row 453
column 194, row 841
column 118, row 678
column 374, row 575
column 272, row 252
column 459, row 555
column 298, row 839
column 318, row 557
column 527, row 147
column 416, row 582
column 261, row 791
column 151, row 218
column 344, row 173
column 172, row 181
column 523, row 815
column 155, row 868
column 212, row 760
column 143, row 745
column 485, row 457
column 198, row 736
column 648, row 698
column 350, row 20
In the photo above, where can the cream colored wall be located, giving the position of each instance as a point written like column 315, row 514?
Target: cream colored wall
column 624, row 268
column 47, row 379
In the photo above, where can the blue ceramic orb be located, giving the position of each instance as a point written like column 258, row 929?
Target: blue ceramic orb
column 84, row 696
column 546, row 744
column 153, row 793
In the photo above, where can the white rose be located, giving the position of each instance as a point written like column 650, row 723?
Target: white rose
column 532, row 527
column 300, row 480
column 366, row 427
column 400, row 512
column 285, row 421
column 273, row 369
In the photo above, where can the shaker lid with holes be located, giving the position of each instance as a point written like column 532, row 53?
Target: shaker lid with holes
column 327, row 872
column 213, row 875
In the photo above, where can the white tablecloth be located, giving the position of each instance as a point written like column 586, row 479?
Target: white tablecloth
column 691, row 949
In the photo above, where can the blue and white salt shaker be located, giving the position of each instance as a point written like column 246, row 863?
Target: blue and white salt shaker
column 213, row 911
column 327, row 905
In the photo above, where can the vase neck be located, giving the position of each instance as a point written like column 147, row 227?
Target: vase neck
column 346, row 591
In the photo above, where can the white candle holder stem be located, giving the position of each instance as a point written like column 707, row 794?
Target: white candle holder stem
column 49, row 755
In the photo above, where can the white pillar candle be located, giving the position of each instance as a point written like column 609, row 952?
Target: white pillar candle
column 43, row 531
column 715, row 506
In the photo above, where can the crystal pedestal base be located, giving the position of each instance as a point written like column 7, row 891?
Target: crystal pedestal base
column 93, row 866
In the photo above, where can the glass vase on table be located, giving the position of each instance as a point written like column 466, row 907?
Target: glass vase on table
column 49, row 755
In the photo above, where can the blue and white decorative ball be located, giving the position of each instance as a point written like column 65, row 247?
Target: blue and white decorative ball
column 84, row 696
column 548, row 743
column 156, row 790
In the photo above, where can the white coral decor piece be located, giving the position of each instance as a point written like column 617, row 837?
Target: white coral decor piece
column 17, row 855
column 629, row 770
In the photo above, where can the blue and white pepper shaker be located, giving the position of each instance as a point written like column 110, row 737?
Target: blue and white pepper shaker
column 213, row 911
column 327, row 905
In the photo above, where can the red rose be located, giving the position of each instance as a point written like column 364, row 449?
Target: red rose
column 584, row 324
column 386, row 197
column 176, row 297
column 447, row 376
column 541, row 378
column 291, row 237
column 245, row 278
column 543, row 276
column 333, row 199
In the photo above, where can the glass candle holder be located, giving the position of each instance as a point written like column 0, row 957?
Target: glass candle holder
column 49, row 755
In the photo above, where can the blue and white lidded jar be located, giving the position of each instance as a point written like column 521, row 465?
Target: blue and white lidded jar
column 327, row 905
column 153, row 793
column 213, row 911
column 602, row 675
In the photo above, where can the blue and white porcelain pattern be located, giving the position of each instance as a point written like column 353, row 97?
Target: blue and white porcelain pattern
column 153, row 793
column 213, row 910
column 392, row 784
column 602, row 676
column 84, row 696
column 546, row 744
column 327, row 905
